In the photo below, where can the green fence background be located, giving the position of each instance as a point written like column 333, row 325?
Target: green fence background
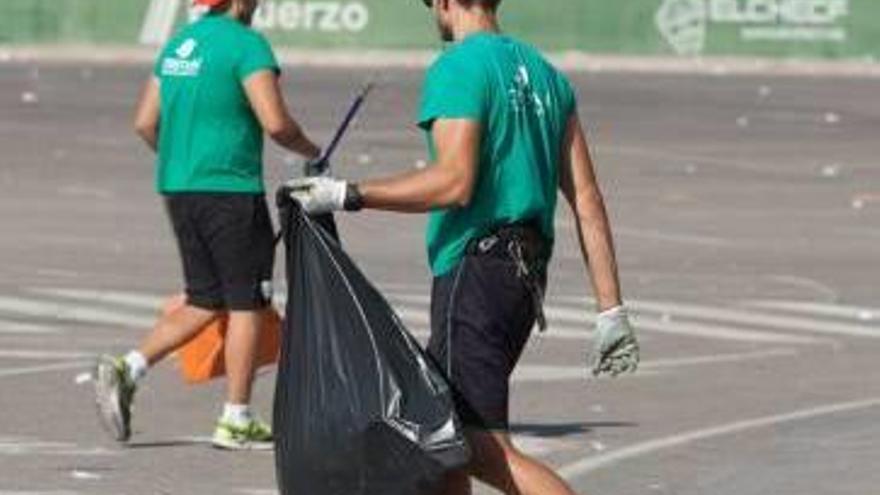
column 841, row 29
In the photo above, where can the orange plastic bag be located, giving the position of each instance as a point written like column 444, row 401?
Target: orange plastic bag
column 202, row 358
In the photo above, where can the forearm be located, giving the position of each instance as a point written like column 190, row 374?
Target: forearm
column 292, row 137
column 416, row 192
column 597, row 246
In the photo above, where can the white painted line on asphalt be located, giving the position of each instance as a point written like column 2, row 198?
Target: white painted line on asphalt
column 34, row 370
column 17, row 327
column 582, row 330
column 592, row 463
column 718, row 359
column 757, row 319
column 821, row 309
column 539, row 447
column 82, row 475
column 32, row 492
column 527, row 373
column 73, row 313
column 138, row 300
column 717, row 332
column 535, row 373
column 38, row 355
column 37, row 448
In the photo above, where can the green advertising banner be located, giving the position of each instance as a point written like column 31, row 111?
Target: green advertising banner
column 837, row 29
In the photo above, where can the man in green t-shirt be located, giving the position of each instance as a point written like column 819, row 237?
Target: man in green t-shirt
column 504, row 136
column 213, row 94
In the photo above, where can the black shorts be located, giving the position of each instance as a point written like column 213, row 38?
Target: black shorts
column 482, row 315
column 226, row 245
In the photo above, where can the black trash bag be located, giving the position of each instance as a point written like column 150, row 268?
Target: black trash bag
column 360, row 409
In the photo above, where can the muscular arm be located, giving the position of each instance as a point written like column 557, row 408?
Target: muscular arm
column 578, row 184
column 447, row 183
column 146, row 119
column 267, row 101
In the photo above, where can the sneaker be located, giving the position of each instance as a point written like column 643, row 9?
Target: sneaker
column 114, row 392
column 254, row 435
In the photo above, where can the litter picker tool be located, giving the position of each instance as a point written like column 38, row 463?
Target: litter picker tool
column 321, row 165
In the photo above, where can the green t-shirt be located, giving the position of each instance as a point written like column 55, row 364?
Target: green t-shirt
column 209, row 138
column 523, row 105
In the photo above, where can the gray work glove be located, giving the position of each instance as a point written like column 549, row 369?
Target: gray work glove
column 319, row 195
column 615, row 348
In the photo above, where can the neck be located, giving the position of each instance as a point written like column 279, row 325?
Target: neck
column 475, row 21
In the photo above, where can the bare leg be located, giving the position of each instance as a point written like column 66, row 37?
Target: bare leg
column 242, row 340
column 498, row 463
column 174, row 330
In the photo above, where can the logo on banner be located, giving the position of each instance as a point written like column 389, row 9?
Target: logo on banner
column 686, row 24
column 320, row 16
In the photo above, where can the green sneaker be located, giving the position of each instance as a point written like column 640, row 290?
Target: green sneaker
column 114, row 393
column 255, row 435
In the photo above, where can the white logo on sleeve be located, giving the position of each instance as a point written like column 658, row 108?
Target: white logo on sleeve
column 182, row 66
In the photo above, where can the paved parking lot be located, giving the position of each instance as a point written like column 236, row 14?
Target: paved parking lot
column 747, row 217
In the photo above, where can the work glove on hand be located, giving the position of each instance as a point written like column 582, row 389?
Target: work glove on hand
column 319, row 195
column 615, row 348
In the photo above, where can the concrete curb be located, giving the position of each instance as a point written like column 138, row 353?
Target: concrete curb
column 570, row 61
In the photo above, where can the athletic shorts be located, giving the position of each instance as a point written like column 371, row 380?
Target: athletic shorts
column 482, row 315
column 226, row 245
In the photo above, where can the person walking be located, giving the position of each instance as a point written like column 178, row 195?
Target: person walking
column 504, row 135
column 213, row 94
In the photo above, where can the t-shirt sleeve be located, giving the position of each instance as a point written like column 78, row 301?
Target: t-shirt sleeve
column 453, row 91
column 569, row 97
column 257, row 55
column 157, row 65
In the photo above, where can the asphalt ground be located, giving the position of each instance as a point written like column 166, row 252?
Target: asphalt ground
column 747, row 220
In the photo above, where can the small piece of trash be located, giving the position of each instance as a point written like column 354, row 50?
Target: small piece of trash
column 831, row 171
column 598, row 409
column 83, row 378
column 84, row 475
column 832, row 118
column 598, row 446
column 421, row 164
column 655, row 486
column 765, row 91
column 29, row 97
column 365, row 159
column 742, row 122
column 858, row 204
column 866, row 315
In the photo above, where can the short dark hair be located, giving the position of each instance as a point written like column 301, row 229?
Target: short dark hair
column 486, row 4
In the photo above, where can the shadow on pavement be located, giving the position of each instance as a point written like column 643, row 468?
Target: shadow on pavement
column 565, row 429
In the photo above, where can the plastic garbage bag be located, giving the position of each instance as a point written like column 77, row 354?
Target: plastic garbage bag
column 359, row 407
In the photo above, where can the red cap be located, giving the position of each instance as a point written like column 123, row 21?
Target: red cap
column 208, row 3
